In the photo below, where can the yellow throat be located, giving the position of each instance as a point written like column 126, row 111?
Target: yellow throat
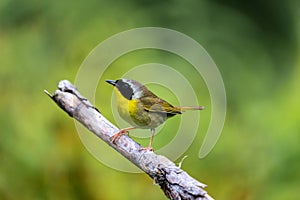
column 126, row 108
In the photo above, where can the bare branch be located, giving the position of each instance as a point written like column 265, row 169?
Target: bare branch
column 175, row 182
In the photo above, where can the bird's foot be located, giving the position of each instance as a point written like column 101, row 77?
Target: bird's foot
column 146, row 149
column 116, row 136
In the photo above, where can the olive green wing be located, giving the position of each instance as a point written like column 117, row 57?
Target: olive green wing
column 155, row 104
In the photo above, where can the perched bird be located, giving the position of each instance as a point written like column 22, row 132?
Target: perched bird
column 141, row 108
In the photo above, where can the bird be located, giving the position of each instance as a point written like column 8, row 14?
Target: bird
column 141, row 108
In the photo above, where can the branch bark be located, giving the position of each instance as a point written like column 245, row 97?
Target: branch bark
column 175, row 182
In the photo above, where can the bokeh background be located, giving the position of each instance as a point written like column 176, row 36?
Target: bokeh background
column 255, row 45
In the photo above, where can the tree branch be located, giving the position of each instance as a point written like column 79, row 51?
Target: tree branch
column 175, row 182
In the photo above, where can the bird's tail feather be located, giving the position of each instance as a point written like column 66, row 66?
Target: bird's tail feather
column 184, row 108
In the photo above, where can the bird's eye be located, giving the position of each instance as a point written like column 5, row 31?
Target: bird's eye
column 125, row 90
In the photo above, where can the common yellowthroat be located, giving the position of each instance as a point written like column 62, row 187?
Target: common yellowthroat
column 141, row 108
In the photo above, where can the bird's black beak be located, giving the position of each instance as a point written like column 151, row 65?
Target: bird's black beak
column 112, row 82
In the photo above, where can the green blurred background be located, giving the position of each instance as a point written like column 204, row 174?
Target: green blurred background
column 255, row 44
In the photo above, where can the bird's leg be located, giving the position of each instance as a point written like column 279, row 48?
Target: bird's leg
column 151, row 139
column 121, row 132
column 150, row 143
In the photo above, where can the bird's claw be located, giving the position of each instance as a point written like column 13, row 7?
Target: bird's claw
column 146, row 149
column 116, row 136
